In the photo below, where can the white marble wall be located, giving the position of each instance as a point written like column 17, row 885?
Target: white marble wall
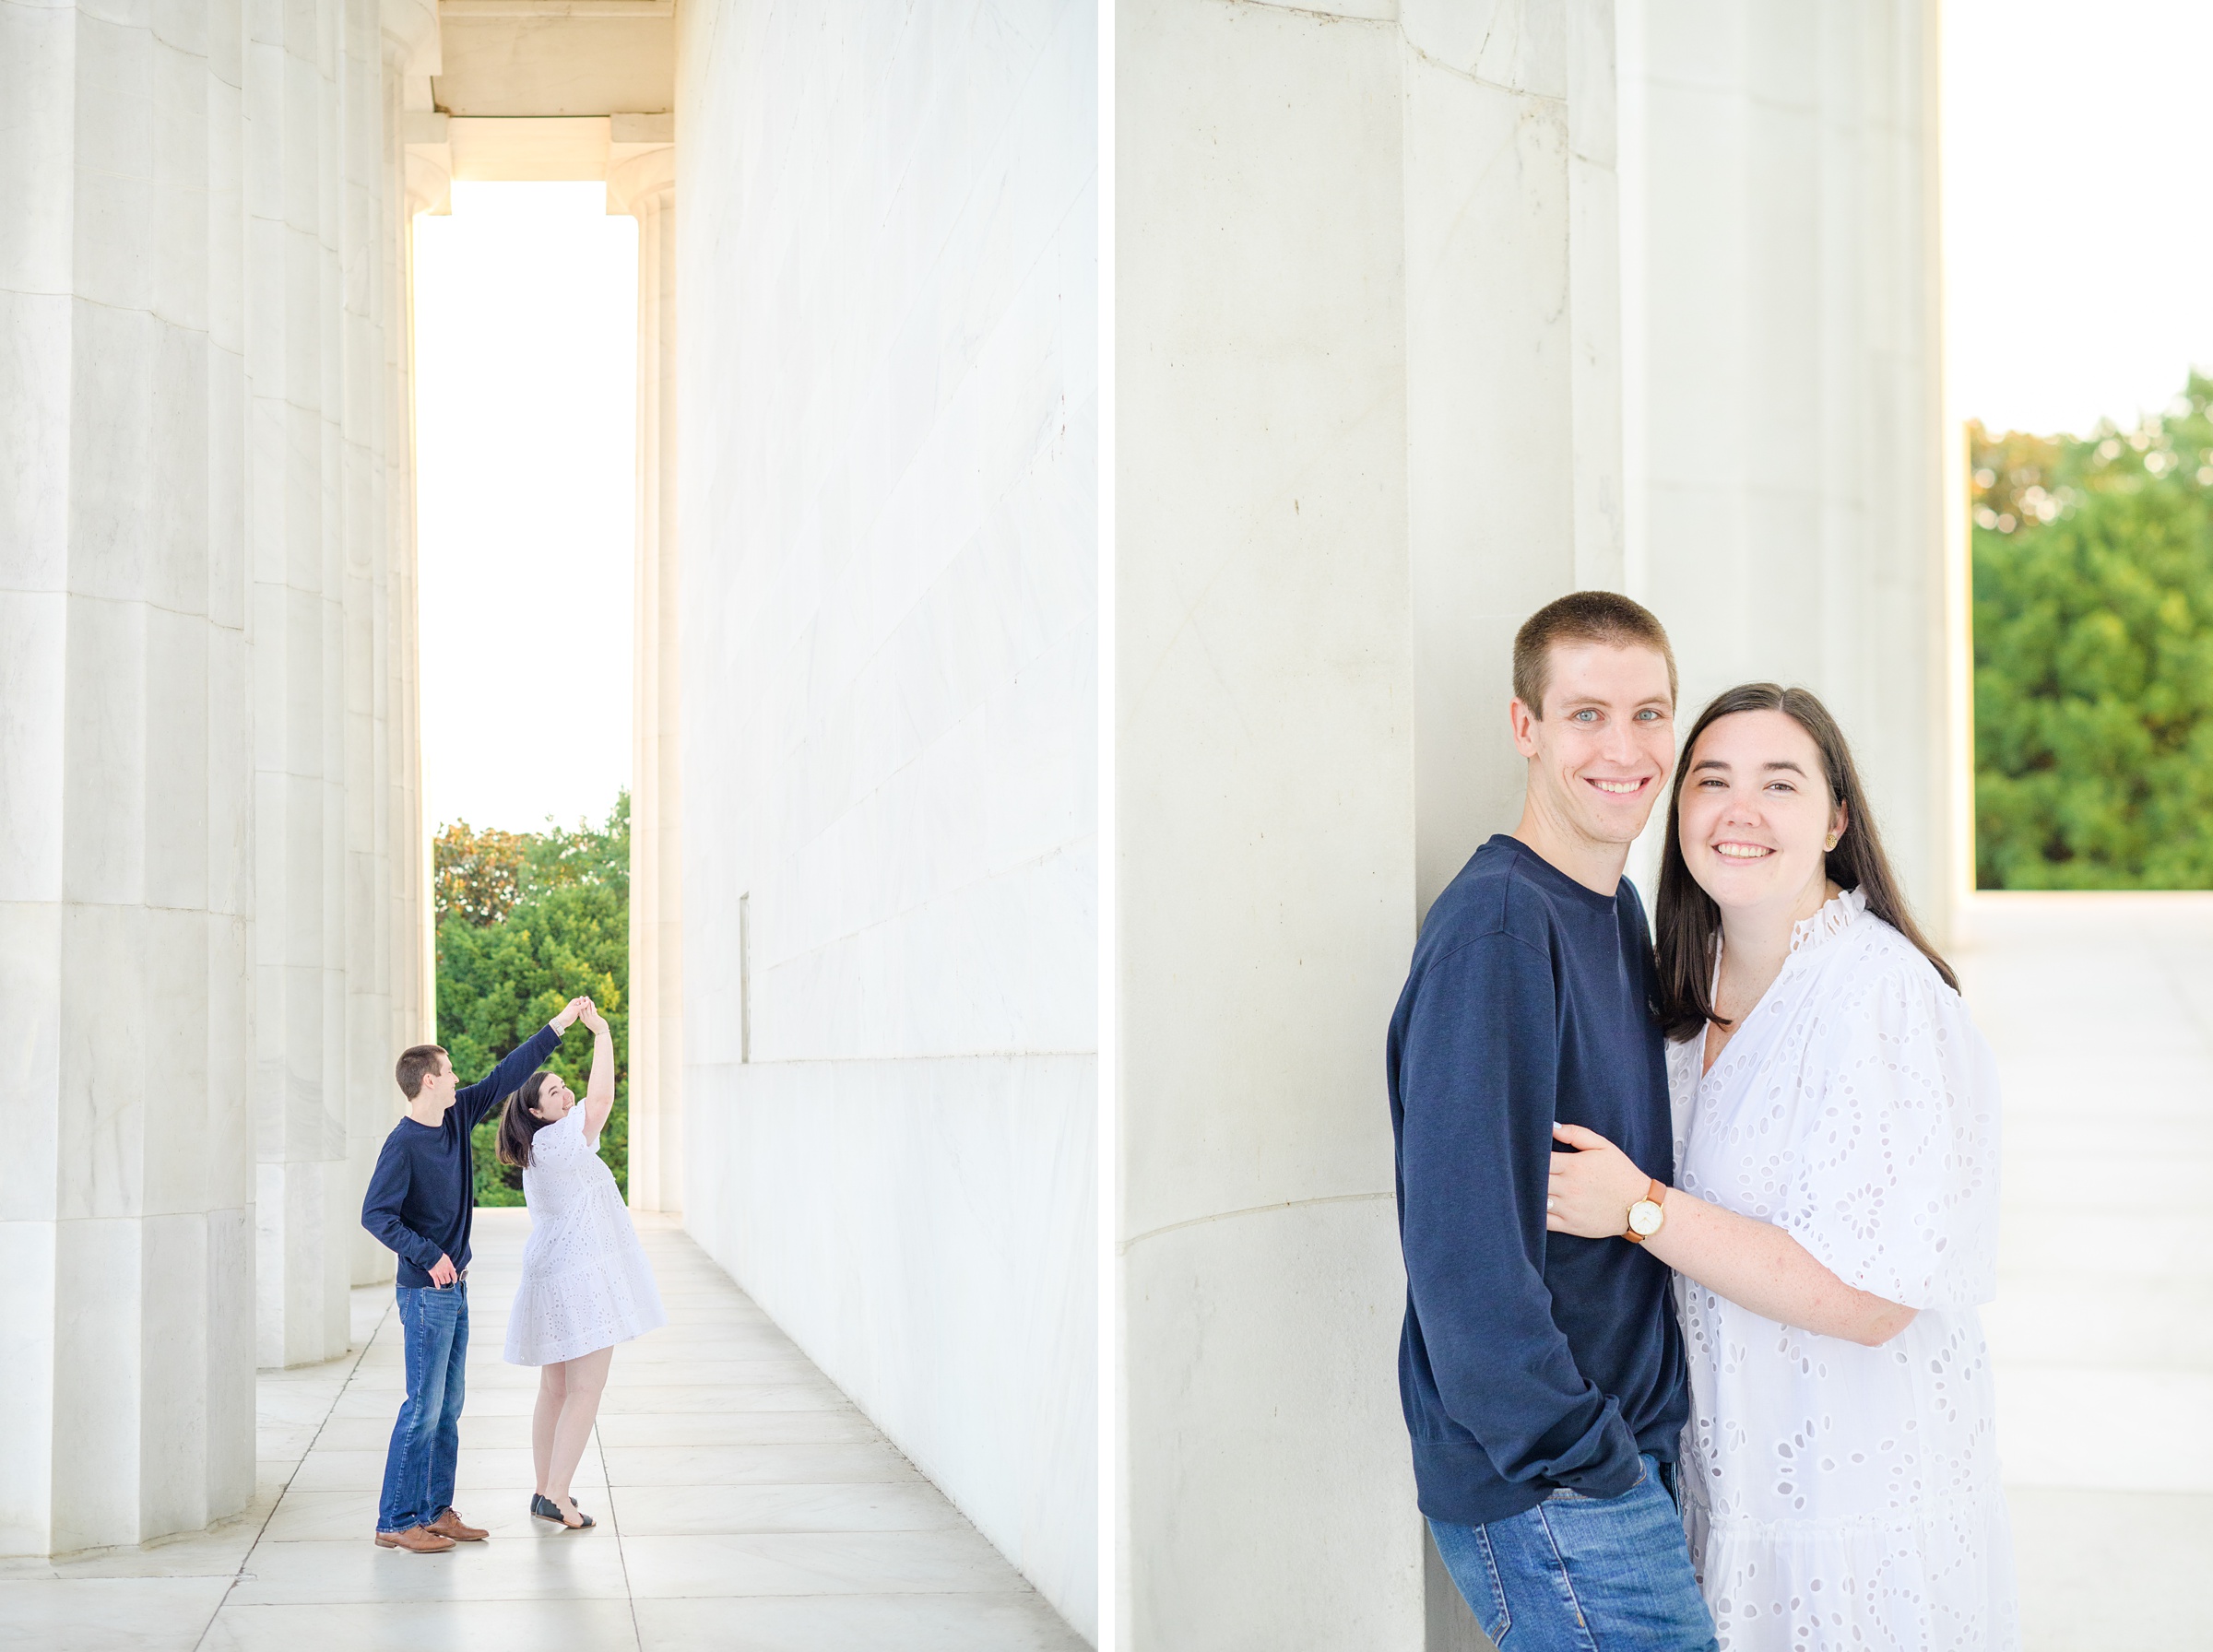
column 887, row 494
column 1369, row 418
column 203, row 652
column 1786, row 516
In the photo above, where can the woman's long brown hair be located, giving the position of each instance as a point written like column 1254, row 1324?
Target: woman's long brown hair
column 519, row 1121
column 1689, row 923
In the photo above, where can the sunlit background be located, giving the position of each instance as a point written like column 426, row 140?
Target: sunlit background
column 526, row 316
column 2078, row 239
column 2078, row 216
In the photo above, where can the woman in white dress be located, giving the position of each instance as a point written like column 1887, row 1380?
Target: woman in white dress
column 1834, row 1222
column 586, row 1284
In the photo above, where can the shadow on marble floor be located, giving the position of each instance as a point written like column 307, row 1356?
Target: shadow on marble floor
column 743, row 1502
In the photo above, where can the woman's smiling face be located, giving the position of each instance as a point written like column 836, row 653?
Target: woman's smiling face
column 1756, row 817
column 555, row 1099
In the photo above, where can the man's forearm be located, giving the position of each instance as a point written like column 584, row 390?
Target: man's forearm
column 507, row 1076
column 401, row 1240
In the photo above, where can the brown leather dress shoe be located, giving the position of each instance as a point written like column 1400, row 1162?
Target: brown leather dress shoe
column 416, row 1540
column 449, row 1524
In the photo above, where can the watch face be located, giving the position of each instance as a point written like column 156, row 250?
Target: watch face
column 1644, row 1218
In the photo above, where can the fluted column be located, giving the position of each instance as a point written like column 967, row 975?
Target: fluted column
column 126, row 1264
column 331, row 524
column 412, row 49
column 1787, row 517
column 642, row 181
column 363, row 178
column 1368, row 418
column 292, row 385
column 397, row 909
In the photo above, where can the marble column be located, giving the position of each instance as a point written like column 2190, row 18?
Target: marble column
column 293, row 384
column 640, row 181
column 386, row 876
column 126, row 775
column 1784, row 428
column 412, row 56
column 330, row 524
column 1513, row 377
column 1369, row 418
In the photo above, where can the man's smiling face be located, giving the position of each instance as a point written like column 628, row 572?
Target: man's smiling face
column 1602, row 750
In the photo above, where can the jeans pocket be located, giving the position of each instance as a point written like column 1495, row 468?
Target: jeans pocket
column 1569, row 1495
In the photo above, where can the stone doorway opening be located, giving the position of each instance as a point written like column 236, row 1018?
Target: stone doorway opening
column 537, row 181
column 525, row 307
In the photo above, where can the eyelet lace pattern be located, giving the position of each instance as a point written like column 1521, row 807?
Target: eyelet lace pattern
column 1839, row 1498
column 586, row 1283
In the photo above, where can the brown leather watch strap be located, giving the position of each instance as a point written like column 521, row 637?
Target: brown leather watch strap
column 1658, row 1195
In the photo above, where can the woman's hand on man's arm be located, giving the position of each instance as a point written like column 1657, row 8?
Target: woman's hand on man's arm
column 1594, row 1188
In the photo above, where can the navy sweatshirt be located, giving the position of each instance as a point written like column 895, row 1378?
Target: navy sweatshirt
column 422, row 1195
column 1528, row 1361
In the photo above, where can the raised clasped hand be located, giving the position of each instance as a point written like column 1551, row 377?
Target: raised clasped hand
column 1592, row 1189
column 569, row 1012
column 591, row 1016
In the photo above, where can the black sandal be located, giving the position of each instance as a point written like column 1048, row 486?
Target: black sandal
column 544, row 1507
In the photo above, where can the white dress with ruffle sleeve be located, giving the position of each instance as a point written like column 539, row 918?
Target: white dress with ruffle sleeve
column 587, row 1284
column 1838, row 1497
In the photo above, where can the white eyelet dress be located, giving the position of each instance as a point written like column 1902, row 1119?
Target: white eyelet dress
column 1838, row 1497
column 587, row 1284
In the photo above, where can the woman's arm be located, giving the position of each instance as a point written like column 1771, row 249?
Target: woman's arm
column 1755, row 1264
column 599, row 1089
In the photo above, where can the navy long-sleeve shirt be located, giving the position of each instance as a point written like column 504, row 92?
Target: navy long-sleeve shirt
column 1528, row 1361
column 422, row 1195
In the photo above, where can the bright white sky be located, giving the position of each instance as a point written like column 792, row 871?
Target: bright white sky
column 2078, row 209
column 526, row 387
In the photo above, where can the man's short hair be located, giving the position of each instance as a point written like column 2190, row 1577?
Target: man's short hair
column 1605, row 617
column 416, row 1062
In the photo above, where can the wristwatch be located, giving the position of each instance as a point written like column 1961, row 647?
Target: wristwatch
column 1647, row 1214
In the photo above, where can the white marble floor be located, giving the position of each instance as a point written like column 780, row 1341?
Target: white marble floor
column 743, row 1502
column 2100, row 1011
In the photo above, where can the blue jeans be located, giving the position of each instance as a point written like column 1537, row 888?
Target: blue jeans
column 418, row 1467
column 1579, row 1573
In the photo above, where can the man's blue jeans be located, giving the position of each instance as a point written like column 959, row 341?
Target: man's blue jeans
column 1579, row 1573
column 418, row 1467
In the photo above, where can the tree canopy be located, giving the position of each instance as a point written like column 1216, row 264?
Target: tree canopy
column 2093, row 641
column 526, row 921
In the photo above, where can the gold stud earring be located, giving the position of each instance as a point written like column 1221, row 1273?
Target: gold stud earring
column 1830, row 842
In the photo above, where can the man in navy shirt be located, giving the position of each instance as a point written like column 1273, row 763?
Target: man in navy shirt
column 1543, row 1374
column 420, row 1204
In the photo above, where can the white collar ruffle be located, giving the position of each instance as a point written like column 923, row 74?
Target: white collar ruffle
column 1835, row 917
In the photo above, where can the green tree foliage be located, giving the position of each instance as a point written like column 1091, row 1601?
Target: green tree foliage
column 2093, row 638
column 477, row 875
column 526, row 921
